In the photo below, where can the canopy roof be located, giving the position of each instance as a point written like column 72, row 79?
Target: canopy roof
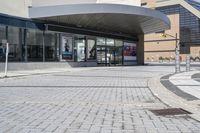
column 113, row 18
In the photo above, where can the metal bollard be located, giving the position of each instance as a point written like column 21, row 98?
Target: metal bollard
column 6, row 62
column 177, row 61
column 187, row 63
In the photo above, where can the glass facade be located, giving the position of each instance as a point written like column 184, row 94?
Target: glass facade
column 80, row 49
column 50, row 43
column 34, row 43
column 109, row 51
column 101, row 50
column 189, row 26
column 2, row 37
column 119, row 52
column 29, row 44
column 15, row 46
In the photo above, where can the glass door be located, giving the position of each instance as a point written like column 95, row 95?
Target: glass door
column 101, row 51
column 118, row 56
column 101, row 55
column 118, row 52
column 110, row 56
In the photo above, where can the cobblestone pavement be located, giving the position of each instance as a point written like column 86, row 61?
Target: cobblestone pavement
column 100, row 100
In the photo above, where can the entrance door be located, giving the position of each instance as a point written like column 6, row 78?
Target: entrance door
column 114, row 55
column 110, row 56
column 118, row 56
column 101, row 55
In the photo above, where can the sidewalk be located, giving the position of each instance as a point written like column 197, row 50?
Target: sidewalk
column 179, row 91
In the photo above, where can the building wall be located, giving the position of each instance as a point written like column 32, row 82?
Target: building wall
column 195, row 51
column 15, row 8
column 61, row 2
column 183, row 22
column 156, row 46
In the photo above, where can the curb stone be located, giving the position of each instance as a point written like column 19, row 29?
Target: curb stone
column 15, row 74
column 172, row 99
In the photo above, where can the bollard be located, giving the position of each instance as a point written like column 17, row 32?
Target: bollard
column 6, row 63
column 177, row 61
column 187, row 63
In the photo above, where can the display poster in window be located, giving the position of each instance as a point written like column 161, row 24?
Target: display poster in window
column 130, row 53
column 91, row 50
column 67, row 48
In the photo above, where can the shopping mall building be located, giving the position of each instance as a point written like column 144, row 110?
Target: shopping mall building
column 184, row 16
column 83, row 32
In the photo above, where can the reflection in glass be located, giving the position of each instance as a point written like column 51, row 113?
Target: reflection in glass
column 118, row 52
column 14, row 44
column 80, row 45
column 50, row 46
column 110, row 42
column 101, row 55
column 2, row 37
column 35, row 45
column 118, row 43
column 101, row 41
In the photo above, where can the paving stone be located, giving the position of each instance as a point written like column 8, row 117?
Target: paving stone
column 113, row 100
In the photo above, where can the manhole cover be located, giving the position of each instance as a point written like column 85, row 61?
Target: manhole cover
column 171, row 111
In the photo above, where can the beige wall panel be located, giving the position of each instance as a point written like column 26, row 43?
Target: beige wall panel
column 195, row 51
column 154, row 56
column 62, row 2
column 125, row 2
column 159, row 46
column 15, row 7
column 154, row 50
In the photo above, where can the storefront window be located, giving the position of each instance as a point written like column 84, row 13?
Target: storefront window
column 101, row 51
column 15, row 48
column 110, row 42
column 129, row 53
column 118, row 52
column 118, row 43
column 2, row 37
column 34, row 45
column 101, row 41
column 91, row 50
column 50, row 46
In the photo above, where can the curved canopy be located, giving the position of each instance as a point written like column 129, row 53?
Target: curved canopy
column 122, row 19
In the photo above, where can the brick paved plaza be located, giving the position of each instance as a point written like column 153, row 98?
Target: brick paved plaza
column 96, row 100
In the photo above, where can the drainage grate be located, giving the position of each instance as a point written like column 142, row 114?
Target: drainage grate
column 171, row 111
